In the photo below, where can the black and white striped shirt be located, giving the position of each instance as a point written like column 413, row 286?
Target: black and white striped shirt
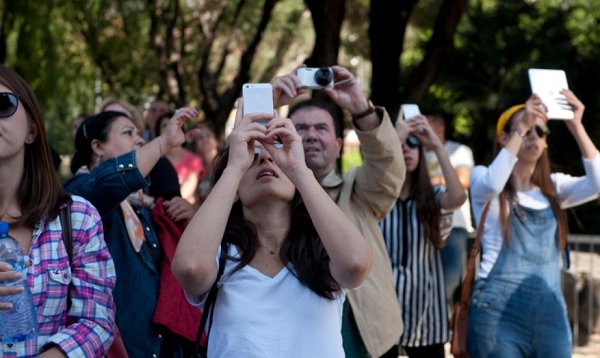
column 418, row 275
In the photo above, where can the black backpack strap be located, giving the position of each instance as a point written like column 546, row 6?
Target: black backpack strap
column 210, row 302
column 67, row 236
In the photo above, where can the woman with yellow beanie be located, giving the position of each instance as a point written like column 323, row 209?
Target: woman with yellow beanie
column 517, row 307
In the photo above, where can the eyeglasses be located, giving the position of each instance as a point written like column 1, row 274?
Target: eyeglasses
column 9, row 102
column 412, row 142
column 541, row 132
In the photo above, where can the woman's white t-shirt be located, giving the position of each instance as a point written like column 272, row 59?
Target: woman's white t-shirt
column 259, row 316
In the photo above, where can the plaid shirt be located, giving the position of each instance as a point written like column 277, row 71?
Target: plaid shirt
column 86, row 331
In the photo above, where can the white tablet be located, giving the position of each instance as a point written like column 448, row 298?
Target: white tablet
column 547, row 84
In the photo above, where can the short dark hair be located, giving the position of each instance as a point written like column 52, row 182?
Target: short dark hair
column 168, row 115
column 94, row 127
column 334, row 111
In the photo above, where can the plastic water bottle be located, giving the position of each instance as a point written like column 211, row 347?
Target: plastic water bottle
column 20, row 322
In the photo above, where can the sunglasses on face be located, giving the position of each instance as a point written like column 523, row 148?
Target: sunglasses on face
column 257, row 151
column 539, row 130
column 9, row 102
column 412, row 142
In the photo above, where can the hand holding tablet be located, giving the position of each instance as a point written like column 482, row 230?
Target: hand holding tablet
column 547, row 84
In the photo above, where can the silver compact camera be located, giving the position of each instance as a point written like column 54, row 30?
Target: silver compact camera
column 315, row 78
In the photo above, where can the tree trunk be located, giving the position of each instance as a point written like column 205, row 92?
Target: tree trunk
column 217, row 105
column 439, row 48
column 327, row 17
column 387, row 27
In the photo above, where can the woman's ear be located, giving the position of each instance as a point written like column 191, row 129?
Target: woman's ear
column 32, row 134
column 503, row 139
column 97, row 148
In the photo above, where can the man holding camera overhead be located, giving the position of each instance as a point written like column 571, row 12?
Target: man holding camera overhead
column 372, row 321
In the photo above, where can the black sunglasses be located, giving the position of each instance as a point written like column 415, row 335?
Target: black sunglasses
column 539, row 130
column 257, row 151
column 9, row 102
column 412, row 142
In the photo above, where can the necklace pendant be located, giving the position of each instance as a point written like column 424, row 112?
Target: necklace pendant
column 272, row 252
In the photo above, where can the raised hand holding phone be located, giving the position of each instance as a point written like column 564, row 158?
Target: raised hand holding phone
column 410, row 110
column 258, row 98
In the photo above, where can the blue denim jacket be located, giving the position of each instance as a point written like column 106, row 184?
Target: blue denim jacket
column 138, row 275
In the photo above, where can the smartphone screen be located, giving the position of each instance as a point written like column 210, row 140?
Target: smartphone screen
column 258, row 98
column 410, row 110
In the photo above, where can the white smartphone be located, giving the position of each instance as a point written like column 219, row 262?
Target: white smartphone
column 547, row 84
column 410, row 110
column 258, row 98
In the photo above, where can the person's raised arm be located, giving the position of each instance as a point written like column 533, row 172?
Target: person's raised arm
column 455, row 194
column 575, row 126
column 173, row 136
column 350, row 96
column 534, row 108
column 286, row 88
column 349, row 253
column 194, row 263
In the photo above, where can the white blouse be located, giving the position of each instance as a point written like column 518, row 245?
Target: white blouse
column 487, row 183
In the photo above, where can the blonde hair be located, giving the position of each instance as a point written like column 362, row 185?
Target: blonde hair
column 134, row 113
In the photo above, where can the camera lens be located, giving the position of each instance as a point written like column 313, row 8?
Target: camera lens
column 323, row 76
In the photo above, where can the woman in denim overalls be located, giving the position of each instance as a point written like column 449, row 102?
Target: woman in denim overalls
column 517, row 307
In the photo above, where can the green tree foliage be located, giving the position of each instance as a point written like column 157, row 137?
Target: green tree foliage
column 496, row 43
column 76, row 53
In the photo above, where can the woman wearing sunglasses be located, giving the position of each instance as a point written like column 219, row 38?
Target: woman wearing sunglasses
column 517, row 307
column 414, row 232
column 292, row 253
column 114, row 164
column 31, row 199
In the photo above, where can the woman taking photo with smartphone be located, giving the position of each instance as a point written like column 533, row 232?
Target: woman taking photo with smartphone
column 414, row 233
column 517, row 306
column 292, row 253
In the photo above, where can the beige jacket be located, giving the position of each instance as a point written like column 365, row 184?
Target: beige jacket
column 367, row 194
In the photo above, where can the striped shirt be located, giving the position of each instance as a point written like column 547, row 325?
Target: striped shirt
column 418, row 275
column 88, row 332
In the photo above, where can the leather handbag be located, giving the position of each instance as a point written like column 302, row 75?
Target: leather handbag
column 460, row 313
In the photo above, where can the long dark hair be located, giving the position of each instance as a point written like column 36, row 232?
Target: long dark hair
column 40, row 193
column 428, row 209
column 540, row 178
column 302, row 248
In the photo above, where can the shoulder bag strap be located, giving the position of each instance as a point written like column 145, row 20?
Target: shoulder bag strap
column 210, row 300
column 67, row 237
column 467, row 286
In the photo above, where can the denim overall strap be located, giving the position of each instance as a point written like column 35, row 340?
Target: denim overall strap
column 519, row 310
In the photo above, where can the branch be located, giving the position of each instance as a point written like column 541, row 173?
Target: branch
column 438, row 49
column 327, row 17
column 387, row 26
column 282, row 48
column 208, row 79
